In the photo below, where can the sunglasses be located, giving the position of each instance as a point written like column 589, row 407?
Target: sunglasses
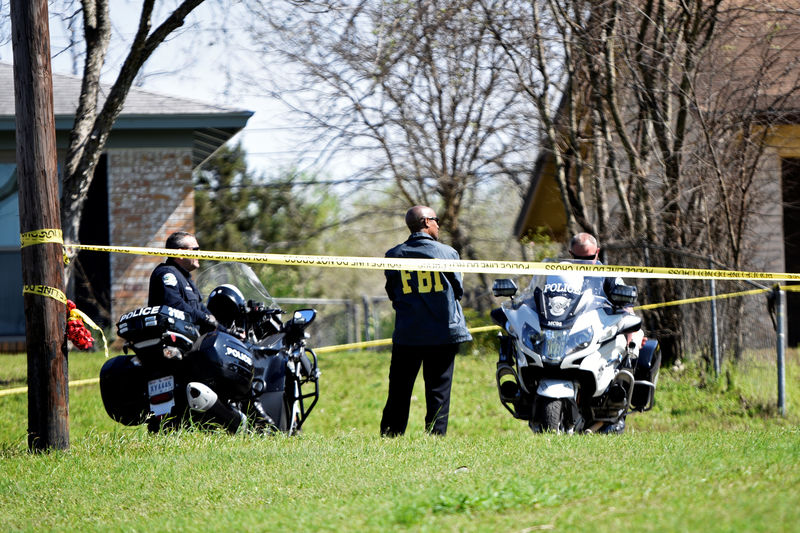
column 194, row 248
column 435, row 219
column 584, row 257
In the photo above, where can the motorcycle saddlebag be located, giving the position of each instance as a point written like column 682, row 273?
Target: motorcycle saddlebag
column 224, row 363
column 647, row 365
column 149, row 329
column 123, row 388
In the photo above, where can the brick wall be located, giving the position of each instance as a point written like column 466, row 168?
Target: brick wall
column 150, row 195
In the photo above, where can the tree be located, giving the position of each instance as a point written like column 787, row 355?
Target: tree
column 93, row 118
column 241, row 212
column 652, row 139
column 419, row 88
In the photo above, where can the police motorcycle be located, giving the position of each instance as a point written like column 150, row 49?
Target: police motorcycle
column 254, row 372
column 566, row 359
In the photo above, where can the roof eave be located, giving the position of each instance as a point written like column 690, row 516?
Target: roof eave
column 236, row 119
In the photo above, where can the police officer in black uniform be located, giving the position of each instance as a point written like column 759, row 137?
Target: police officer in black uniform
column 429, row 326
column 171, row 283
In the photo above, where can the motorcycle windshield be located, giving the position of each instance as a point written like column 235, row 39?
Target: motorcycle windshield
column 240, row 275
column 559, row 297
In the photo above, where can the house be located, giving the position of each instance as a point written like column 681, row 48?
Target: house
column 142, row 191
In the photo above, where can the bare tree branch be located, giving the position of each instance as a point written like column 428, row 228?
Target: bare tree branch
column 91, row 128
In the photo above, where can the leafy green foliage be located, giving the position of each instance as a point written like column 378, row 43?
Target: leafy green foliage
column 237, row 211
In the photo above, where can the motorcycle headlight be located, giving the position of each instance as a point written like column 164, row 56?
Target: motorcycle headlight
column 530, row 336
column 553, row 345
column 579, row 340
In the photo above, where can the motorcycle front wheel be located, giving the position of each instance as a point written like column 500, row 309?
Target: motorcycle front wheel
column 547, row 416
column 552, row 414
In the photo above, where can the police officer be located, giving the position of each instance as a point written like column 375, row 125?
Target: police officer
column 171, row 283
column 429, row 326
column 584, row 246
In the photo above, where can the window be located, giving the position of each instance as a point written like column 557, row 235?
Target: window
column 12, row 312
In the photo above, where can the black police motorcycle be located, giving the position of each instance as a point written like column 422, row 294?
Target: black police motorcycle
column 253, row 372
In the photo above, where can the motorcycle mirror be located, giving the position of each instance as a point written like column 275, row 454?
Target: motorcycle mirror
column 504, row 287
column 304, row 316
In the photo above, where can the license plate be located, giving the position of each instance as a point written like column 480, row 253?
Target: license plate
column 162, row 397
column 160, row 385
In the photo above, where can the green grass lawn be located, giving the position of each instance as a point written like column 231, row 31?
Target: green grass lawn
column 711, row 456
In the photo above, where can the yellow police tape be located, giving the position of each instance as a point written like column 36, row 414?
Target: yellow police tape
column 646, row 307
column 444, row 265
column 384, row 263
column 21, row 390
column 384, row 342
column 699, row 299
column 44, row 290
column 40, row 236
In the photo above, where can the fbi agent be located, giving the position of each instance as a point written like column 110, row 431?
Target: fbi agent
column 429, row 327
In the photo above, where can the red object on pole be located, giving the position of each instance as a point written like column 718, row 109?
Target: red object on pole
column 42, row 258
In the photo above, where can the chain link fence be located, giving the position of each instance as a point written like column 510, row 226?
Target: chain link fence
column 738, row 321
column 344, row 321
column 733, row 321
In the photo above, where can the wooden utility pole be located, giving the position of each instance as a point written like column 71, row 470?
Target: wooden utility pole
column 40, row 224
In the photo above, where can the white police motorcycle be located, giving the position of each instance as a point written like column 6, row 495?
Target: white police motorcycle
column 566, row 359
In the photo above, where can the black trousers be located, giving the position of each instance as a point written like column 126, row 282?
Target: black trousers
column 437, row 371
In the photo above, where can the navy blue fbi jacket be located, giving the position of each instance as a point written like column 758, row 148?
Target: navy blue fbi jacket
column 427, row 308
column 173, row 286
